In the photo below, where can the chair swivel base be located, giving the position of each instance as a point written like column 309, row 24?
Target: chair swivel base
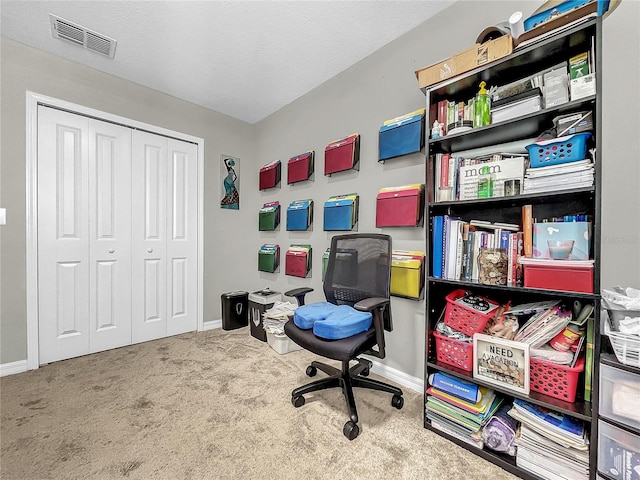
column 346, row 379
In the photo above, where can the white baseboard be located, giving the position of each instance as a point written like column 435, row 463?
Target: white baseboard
column 13, row 368
column 211, row 324
column 393, row 374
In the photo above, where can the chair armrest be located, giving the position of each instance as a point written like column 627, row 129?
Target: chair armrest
column 376, row 306
column 369, row 304
column 299, row 294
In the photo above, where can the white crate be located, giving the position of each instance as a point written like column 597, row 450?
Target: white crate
column 281, row 343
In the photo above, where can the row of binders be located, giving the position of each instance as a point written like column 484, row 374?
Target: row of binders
column 398, row 136
column 297, row 259
column 395, row 207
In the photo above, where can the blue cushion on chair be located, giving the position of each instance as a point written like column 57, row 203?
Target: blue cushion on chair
column 343, row 322
column 305, row 316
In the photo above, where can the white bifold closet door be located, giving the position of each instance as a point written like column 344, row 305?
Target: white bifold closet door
column 164, row 265
column 84, row 235
column 117, row 235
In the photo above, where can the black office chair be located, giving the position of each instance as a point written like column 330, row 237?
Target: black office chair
column 358, row 274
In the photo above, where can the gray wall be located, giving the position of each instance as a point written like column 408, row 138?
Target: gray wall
column 24, row 68
column 380, row 87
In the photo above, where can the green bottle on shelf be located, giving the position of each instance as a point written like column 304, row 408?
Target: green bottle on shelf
column 482, row 107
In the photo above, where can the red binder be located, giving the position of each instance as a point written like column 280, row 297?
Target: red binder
column 400, row 206
column 300, row 167
column 270, row 175
column 343, row 154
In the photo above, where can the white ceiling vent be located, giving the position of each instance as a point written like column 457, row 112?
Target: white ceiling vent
column 96, row 42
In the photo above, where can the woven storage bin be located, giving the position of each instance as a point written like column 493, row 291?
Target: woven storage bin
column 570, row 148
column 557, row 381
column 454, row 352
column 462, row 318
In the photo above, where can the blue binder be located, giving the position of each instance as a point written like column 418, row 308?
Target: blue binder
column 341, row 212
column 299, row 215
column 401, row 135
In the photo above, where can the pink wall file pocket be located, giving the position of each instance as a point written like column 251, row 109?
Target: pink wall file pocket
column 298, row 260
column 400, row 206
column 343, row 154
column 300, row 168
column 270, row 175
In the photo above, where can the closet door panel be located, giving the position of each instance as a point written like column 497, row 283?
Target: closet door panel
column 149, row 236
column 182, row 240
column 63, row 235
column 110, row 228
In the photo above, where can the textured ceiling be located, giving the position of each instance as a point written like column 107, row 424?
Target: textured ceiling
column 246, row 59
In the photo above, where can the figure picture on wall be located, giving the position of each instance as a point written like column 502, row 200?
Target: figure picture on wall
column 230, row 174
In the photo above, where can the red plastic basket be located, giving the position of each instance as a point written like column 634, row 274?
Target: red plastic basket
column 465, row 319
column 454, row 352
column 558, row 381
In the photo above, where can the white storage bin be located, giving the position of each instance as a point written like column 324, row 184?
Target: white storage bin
column 281, row 343
column 620, row 396
column 618, row 452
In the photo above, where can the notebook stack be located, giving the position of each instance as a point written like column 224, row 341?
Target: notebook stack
column 559, row 177
column 551, row 445
column 460, row 408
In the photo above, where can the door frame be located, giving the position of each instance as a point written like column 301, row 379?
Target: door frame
column 33, row 100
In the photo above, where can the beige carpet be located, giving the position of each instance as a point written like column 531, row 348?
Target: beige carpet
column 213, row 405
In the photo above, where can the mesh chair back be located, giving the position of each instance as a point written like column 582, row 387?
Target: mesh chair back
column 359, row 267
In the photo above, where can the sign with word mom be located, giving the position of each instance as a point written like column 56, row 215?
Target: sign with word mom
column 498, row 171
column 501, row 362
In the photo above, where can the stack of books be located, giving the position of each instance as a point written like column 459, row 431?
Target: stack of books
column 559, row 177
column 551, row 445
column 460, row 408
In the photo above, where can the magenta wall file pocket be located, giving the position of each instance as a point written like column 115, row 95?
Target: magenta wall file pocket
column 270, row 175
column 343, row 154
column 400, row 206
column 300, row 168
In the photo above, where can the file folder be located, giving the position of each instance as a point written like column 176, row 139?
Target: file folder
column 401, row 135
column 407, row 274
column 300, row 168
column 298, row 260
column 400, row 206
column 268, row 258
column 269, row 216
column 343, row 154
column 270, row 175
column 299, row 215
column 341, row 212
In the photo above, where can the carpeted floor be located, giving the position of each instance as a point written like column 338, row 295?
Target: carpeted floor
column 213, row 405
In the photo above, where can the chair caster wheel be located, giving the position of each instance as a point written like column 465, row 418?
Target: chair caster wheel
column 311, row 371
column 298, row 401
column 365, row 372
column 351, row 430
column 397, row 401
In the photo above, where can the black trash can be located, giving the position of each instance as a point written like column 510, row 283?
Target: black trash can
column 234, row 310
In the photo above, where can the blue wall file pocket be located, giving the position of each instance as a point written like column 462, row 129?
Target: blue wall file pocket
column 298, row 260
column 343, row 154
column 401, row 135
column 270, row 175
column 269, row 216
column 300, row 168
column 268, row 258
column 341, row 212
column 300, row 215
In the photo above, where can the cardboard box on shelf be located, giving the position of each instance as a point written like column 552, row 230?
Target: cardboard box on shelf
column 475, row 56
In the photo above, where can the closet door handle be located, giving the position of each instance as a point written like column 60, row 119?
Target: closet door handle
column 150, row 250
column 111, row 250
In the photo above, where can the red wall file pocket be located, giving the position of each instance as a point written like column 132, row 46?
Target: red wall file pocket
column 298, row 261
column 400, row 206
column 300, row 168
column 343, row 154
column 270, row 175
